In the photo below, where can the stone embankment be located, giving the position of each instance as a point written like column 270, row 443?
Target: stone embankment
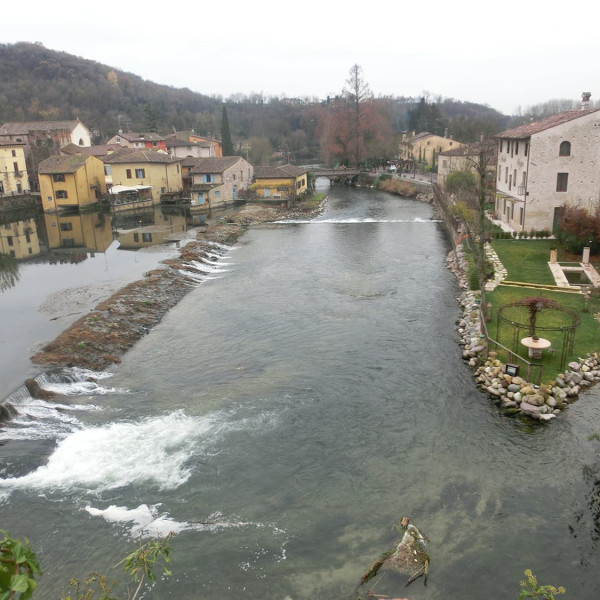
column 100, row 338
column 514, row 395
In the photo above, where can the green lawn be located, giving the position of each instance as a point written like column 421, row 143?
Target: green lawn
column 527, row 261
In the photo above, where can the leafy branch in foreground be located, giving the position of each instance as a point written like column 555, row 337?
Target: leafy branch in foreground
column 140, row 565
column 531, row 589
column 18, row 568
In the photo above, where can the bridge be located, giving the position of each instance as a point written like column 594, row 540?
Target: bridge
column 333, row 174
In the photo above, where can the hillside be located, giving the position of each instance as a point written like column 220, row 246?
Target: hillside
column 43, row 84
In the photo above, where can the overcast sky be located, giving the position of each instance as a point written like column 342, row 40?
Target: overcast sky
column 510, row 54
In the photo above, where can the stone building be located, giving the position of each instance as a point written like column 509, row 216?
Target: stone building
column 548, row 164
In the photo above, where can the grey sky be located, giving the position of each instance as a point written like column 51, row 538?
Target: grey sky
column 506, row 54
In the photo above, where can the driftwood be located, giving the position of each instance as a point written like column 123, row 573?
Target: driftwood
column 408, row 556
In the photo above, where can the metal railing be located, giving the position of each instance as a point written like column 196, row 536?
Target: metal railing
column 533, row 371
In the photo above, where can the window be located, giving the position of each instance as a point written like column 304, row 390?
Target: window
column 58, row 177
column 68, row 243
column 61, row 194
column 14, row 152
column 108, row 169
column 66, row 226
column 208, row 178
column 217, row 194
column 565, row 149
column 16, row 167
column 517, row 147
column 521, row 216
column 499, row 172
column 506, row 175
column 28, row 237
column 146, row 237
column 140, row 173
column 128, row 173
column 526, row 149
column 136, row 237
column 501, row 145
column 9, row 240
column 562, row 180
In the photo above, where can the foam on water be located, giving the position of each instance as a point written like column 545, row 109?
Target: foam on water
column 155, row 450
column 149, row 521
column 353, row 221
column 206, row 267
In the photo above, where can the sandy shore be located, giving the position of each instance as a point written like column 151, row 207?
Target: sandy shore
column 104, row 334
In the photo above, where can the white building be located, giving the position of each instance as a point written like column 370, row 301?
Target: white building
column 546, row 165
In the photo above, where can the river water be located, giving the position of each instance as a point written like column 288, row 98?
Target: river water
column 287, row 413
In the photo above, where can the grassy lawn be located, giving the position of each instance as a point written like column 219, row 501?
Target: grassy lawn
column 527, row 261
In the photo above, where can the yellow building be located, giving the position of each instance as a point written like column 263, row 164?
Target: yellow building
column 422, row 149
column 71, row 181
column 19, row 239
column 89, row 230
column 286, row 182
column 13, row 172
column 150, row 171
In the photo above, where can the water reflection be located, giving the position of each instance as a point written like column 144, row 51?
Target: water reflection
column 9, row 272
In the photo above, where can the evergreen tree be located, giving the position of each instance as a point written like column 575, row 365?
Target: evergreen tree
column 150, row 121
column 227, row 144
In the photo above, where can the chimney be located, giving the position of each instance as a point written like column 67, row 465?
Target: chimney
column 585, row 100
column 446, row 132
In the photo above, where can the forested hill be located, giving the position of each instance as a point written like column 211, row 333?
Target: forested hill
column 43, row 84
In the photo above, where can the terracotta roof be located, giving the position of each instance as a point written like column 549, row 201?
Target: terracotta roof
column 283, row 172
column 7, row 143
column 213, row 164
column 525, row 131
column 100, row 150
column 23, row 127
column 62, row 164
column 132, row 136
column 139, row 155
column 470, row 149
column 293, row 170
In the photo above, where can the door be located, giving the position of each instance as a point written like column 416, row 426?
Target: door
column 200, row 197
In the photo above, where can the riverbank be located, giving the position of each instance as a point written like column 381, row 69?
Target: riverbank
column 513, row 394
column 102, row 336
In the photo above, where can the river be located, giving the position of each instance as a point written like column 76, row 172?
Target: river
column 287, row 413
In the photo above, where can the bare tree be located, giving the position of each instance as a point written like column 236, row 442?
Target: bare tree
column 357, row 92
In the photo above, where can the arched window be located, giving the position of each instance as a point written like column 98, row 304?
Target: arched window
column 565, row 149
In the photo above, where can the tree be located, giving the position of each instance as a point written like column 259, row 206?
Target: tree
column 426, row 116
column 226, row 142
column 150, row 119
column 357, row 93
